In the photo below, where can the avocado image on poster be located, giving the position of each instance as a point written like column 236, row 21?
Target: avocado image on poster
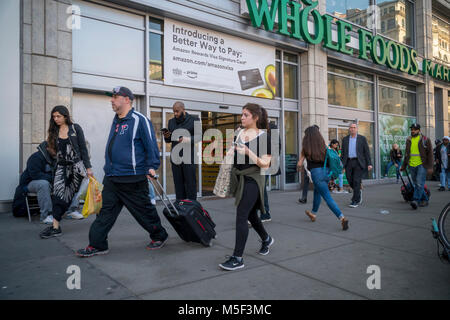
column 263, row 93
column 270, row 77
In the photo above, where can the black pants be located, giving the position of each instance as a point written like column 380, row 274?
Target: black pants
column 185, row 180
column 247, row 211
column 354, row 174
column 134, row 196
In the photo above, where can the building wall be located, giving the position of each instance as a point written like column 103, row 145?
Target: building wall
column 10, row 106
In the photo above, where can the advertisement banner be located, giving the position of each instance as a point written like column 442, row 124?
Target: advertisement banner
column 195, row 57
column 393, row 129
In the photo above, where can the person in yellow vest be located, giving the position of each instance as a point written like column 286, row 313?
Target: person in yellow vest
column 419, row 158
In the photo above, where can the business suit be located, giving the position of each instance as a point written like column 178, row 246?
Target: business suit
column 356, row 168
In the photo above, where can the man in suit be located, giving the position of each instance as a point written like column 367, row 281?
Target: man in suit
column 356, row 161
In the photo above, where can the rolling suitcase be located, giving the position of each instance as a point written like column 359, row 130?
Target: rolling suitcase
column 407, row 189
column 189, row 219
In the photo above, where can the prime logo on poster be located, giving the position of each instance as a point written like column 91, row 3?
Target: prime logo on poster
column 195, row 57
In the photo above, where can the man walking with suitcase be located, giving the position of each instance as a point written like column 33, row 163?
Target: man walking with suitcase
column 419, row 158
column 131, row 157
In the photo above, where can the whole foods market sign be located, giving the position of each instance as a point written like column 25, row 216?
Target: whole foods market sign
column 376, row 48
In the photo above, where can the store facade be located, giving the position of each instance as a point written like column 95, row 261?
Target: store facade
column 381, row 63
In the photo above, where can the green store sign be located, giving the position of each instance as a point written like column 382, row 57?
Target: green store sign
column 378, row 49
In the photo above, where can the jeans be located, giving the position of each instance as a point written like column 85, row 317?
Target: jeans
column 75, row 201
column 397, row 169
column 341, row 181
column 418, row 176
column 445, row 176
column 151, row 191
column 320, row 179
column 43, row 190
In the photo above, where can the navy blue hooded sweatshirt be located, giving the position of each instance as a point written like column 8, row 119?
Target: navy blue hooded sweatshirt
column 132, row 148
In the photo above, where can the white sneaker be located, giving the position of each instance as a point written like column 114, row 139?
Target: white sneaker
column 48, row 220
column 153, row 201
column 75, row 215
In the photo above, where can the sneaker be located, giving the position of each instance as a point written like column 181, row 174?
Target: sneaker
column 413, row 204
column 50, row 232
column 75, row 215
column 153, row 201
column 423, row 203
column 265, row 246
column 302, row 200
column 48, row 220
column 158, row 244
column 441, row 189
column 353, row 204
column 344, row 223
column 265, row 217
column 90, row 251
column 232, row 264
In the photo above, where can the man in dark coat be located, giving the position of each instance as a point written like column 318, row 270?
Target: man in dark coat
column 184, row 171
column 356, row 160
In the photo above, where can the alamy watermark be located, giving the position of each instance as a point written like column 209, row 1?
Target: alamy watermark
column 74, row 280
column 374, row 281
column 73, row 22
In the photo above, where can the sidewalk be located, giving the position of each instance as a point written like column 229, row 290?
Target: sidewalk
column 307, row 261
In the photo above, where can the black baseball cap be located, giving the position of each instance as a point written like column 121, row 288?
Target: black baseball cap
column 415, row 126
column 121, row 91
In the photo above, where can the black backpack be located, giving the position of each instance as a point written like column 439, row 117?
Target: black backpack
column 19, row 205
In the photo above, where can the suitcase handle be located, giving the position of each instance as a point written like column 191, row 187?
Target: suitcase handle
column 162, row 195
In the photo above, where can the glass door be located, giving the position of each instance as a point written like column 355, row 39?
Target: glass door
column 167, row 149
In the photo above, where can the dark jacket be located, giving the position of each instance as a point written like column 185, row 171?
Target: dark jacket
column 188, row 124
column 78, row 142
column 439, row 158
column 40, row 166
column 396, row 155
column 425, row 150
column 362, row 151
column 131, row 149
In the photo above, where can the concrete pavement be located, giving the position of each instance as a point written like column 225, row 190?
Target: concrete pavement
column 307, row 261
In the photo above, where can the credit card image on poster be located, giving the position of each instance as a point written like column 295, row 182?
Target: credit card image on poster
column 250, row 78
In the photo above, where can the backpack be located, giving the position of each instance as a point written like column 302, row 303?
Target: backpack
column 334, row 163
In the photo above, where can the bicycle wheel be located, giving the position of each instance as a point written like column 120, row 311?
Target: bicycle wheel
column 444, row 225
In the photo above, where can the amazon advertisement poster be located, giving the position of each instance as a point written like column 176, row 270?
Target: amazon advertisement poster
column 199, row 58
column 393, row 129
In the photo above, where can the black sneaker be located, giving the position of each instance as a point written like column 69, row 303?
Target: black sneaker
column 265, row 217
column 154, row 245
column 302, row 200
column 90, row 251
column 353, row 204
column 232, row 264
column 50, row 232
column 265, row 246
column 413, row 205
column 441, row 189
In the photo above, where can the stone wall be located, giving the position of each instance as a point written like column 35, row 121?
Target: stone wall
column 47, row 67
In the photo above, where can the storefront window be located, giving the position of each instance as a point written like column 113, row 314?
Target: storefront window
column 397, row 98
column 288, row 76
column 156, row 49
column 291, row 146
column 441, row 40
column 355, row 11
column 349, row 89
column 395, row 20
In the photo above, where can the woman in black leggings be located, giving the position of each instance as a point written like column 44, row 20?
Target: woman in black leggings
column 251, row 154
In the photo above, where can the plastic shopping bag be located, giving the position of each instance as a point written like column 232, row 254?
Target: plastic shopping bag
column 93, row 201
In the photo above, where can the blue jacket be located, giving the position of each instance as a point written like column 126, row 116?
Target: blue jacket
column 134, row 150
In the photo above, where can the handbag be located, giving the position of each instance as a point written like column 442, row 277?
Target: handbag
column 223, row 181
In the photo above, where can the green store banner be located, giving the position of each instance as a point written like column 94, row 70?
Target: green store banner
column 393, row 129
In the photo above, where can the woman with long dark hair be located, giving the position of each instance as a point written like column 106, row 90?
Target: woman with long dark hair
column 67, row 144
column 315, row 150
column 252, row 153
column 395, row 157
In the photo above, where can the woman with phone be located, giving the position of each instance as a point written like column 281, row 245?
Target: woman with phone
column 252, row 154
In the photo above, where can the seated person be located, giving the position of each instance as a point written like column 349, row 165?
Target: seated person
column 37, row 178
